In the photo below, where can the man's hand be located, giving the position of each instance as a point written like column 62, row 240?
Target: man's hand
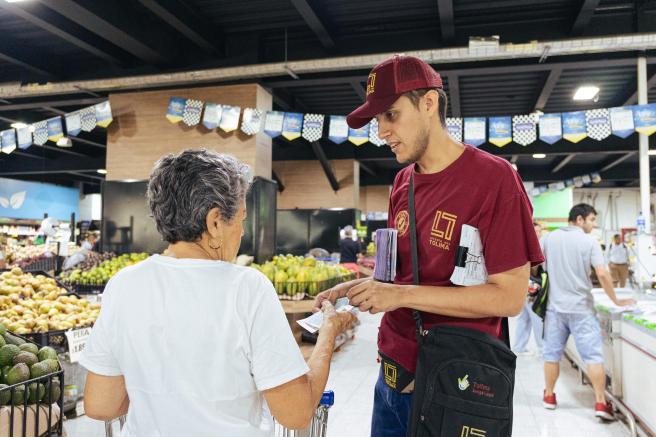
column 375, row 297
column 334, row 293
column 625, row 302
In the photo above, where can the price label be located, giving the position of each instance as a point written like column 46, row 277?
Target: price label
column 77, row 340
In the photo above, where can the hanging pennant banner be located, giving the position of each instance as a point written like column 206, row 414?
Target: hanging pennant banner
column 621, row 121
column 212, row 115
column 373, row 133
column 524, row 130
column 586, row 179
column 644, row 118
column 192, row 111
column 578, row 181
column 596, row 177
column 40, row 130
column 475, row 131
column 574, row 126
column 251, row 121
column 313, row 127
column 103, row 114
column 8, row 140
column 500, row 131
column 55, row 129
column 551, row 128
column 73, row 123
column 359, row 136
column 454, row 126
column 598, row 123
column 273, row 123
column 24, row 137
column 569, row 183
column 175, row 109
column 338, row 130
column 87, row 119
column 230, row 118
column 292, row 125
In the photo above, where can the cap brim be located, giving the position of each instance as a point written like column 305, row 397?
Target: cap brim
column 369, row 110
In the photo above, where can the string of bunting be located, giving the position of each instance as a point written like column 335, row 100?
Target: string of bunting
column 524, row 130
column 55, row 128
column 577, row 182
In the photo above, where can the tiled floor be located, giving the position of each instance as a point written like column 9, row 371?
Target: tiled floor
column 354, row 372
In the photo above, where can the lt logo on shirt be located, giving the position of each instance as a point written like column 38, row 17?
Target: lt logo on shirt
column 442, row 230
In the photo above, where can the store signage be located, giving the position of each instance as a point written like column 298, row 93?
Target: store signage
column 359, row 136
column 313, row 127
column 251, row 121
column 621, row 122
column 574, row 126
column 192, row 111
column 73, row 123
column 88, row 118
column 292, row 125
column 644, row 118
column 175, row 109
column 373, row 133
column 77, row 340
column 40, row 130
column 104, row 113
column 230, row 118
column 273, row 123
column 338, row 130
column 475, row 131
column 24, row 136
column 37, row 199
column 551, row 128
column 454, row 126
column 500, row 131
column 598, row 123
column 524, row 130
column 212, row 115
column 8, row 140
column 55, row 129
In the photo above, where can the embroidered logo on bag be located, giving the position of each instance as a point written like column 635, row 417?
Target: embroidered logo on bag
column 463, row 383
column 390, row 372
column 472, row 432
column 401, row 222
column 371, row 82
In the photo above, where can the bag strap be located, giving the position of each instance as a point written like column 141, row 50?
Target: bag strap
column 505, row 331
column 413, row 249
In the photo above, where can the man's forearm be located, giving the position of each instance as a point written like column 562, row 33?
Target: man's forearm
column 607, row 284
column 487, row 300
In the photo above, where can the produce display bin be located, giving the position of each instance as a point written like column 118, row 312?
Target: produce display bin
column 42, row 418
column 294, row 290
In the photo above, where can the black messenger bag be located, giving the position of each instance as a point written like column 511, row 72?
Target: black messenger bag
column 465, row 378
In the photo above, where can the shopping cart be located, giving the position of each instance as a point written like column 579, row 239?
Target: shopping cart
column 317, row 427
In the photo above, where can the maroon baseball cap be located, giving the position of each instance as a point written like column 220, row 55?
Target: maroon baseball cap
column 387, row 81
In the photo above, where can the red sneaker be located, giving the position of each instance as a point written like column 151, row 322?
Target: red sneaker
column 604, row 411
column 549, row 401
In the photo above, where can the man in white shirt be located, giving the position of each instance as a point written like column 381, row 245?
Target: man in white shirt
column 618, row 261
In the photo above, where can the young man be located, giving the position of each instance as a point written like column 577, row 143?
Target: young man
column 570, row 256
column 618, row 261
column 454, row 184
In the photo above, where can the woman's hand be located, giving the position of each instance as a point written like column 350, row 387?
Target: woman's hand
column 335, row 322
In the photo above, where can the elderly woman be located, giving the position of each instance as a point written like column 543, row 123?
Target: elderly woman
column 189, row 344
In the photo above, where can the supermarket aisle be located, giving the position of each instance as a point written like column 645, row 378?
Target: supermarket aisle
column 354, row 373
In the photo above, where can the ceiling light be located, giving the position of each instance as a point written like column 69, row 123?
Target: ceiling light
column 64, row 142
column 539, row 155
column 18, row 125
column 586, row 92
column 652, row 152
column 14, row 1
column 102, row 171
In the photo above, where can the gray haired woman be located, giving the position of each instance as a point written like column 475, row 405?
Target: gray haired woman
column 189, row 344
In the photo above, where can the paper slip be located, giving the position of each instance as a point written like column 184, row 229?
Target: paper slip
column 314, row 322
column 470, row 263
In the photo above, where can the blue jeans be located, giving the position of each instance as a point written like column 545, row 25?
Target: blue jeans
column 391, row 411
column 526, row 321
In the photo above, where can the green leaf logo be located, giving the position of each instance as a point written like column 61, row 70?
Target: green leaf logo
column 463, row 383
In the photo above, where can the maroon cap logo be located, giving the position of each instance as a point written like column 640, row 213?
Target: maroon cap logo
column 371, row 83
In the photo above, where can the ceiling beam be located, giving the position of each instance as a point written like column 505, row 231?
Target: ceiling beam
column 547, row 89
column 366, row 168
column 563, row 162
column 97, row 176
column 454, row 94
column 313, row 21
column 12, row 59
column 584, row 16
column 61, row 165
column 88, row 142
column 325, row 164
column 96, row 23
column 447, row 27
column 51, row 103
column 28, row 13
column 634, row 97
column 612, row 162
column 185, row 20
column 359, row 89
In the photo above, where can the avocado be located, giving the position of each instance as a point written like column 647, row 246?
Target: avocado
column 26, row 357
column 3, row 329
column 2, row 341
column 7, row 354
column 54, row 364
column 47, row 352
column 5, row 370
column 19, row 395
column 12, row 339
column 29, row 347
column 36, row 392
column 5, row 395
column 19, row 373
column 40, row 369
column 56, row 391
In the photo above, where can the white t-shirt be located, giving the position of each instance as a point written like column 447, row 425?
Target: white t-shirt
column 197, row 342
column 618, row 253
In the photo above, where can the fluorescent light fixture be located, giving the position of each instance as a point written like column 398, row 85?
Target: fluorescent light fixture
column 14, row 1
column 539, row 155
column 586, row 92
column 102, row 171
column 129, row 180
column 18, row 125
column 64, row 142
column 652, row 152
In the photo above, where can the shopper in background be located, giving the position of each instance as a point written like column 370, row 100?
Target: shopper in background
column 454, row 184
column 190, row 344
column 618, row 261
column 349, row 249
column 570, row 255
column 527, row 320
column 90, row 241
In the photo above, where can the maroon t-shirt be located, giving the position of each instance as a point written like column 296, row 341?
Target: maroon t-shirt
column 477, row 189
